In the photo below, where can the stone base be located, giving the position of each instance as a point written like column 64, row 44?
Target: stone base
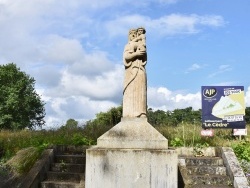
column 132, row 154
column 133, row 133
column 131, row 168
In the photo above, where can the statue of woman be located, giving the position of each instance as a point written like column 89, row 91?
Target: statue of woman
column 135, row 82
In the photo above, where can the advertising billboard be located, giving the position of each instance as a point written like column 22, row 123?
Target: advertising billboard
column 223, row 107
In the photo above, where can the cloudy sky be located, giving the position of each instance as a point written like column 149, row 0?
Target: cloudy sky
column 74, row 48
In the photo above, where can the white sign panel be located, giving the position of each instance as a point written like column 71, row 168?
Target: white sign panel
column 238, row 132
column 207, row 132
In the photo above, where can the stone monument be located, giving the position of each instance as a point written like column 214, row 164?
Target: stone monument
column 132, row 154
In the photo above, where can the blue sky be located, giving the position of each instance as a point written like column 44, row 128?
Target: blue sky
column 74, row 50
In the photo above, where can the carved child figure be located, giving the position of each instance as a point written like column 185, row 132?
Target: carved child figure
column 141, row 39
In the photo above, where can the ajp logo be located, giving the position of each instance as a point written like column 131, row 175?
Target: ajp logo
column 209, row 92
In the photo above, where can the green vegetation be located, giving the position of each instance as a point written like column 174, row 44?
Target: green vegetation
column 189, row 135
column 19, row 150
column 13, row 141
column 173, row 118
column 181, row 129
column 20, row 105
column 103, row 122
column 242, row 151
column 23, row 160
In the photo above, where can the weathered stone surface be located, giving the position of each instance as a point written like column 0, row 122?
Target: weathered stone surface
column 38, row 171
column 203, row 170
column 234, row 168
column 133, row 133
column 205, row 161
column 67, row 169
column 237, row 177
column 123, row 168
column 232, row 163
column 57, row 184
column 241, row 182
column 189, row 151
column 135, row 79
column 210, row 180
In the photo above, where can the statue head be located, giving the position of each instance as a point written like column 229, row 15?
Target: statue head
column 141, row 30
column 132, row 34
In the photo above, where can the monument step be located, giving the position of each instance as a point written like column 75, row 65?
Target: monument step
column 54, row 184
column 204, row 161
column 71, row 150
column 207, row 186
column 65, row 176
column 73, row 159
column 66, row 167
column 209, row 180
column 204, row 169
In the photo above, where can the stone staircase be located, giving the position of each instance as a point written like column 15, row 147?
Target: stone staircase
column 203, row 172
column 67, row 170
column 64, row 167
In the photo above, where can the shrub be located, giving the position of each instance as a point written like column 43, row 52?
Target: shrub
column 23, row 160
column 242, row 150
column 176, row 142
column 79, row 139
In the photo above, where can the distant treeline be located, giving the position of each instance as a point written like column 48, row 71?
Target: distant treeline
column 155, row 117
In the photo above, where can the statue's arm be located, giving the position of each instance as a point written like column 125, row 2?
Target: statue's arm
column 131, row 55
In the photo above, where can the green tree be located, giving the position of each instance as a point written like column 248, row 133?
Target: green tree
column 158, row 117
column 71, row 124
column 103, row 122
column 20, row 105
column 247, row 116
column 175, row 117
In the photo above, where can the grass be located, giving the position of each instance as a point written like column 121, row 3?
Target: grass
column 185, row 134
column 23, row 160
column 13, row 141
column 19, row 150
column 189, row 135
column 34, row 142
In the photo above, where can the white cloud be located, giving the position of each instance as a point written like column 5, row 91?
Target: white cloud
column 79, row 108
column 106, row 85
column 221, row 69
column 162, row 98
column 173, row 24
column 193, row 67
column 58, row 49
column 247, row 97
column 225, row 67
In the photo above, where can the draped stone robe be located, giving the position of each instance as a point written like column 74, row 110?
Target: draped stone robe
column 135, row 81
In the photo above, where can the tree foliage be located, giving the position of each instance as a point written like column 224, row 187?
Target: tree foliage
column 247, row 116
column 20, row 105
column 71, row 124
column 103, row 122
column 175, row 117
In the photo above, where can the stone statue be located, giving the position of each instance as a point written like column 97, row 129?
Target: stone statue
column 135, row 81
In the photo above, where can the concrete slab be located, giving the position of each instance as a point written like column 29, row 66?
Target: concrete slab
column 123, row 168
column 133, row 133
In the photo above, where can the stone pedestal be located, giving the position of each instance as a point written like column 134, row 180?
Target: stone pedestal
column 131, row 168
column 131, row 155
column 133, row 133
